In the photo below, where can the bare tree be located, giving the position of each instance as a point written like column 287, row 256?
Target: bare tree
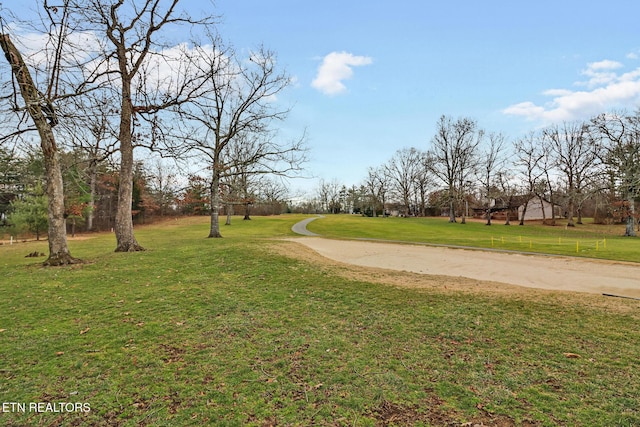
column 401, row 171
column 251, row 157
column 90, row 128
column 376, row 185
column 423, row 182
column 274, row 194
column 529, row 157
column 133, row 31
column 238, row 180
column 329, row 195
column 575, row 155
column 238, row 106
column 163, row 185
column 453, row 150
column 40, row 109
column 490, row 167
column 508, row 188
column 621, row 157
column 323, row 191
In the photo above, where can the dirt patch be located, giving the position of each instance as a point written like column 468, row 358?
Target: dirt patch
column 299, row 248
column 431, row 412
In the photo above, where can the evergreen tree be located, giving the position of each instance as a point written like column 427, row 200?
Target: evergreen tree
column 30, row 214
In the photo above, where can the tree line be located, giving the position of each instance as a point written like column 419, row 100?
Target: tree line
column 159, row 191
column 571, row 165
column 111, row 77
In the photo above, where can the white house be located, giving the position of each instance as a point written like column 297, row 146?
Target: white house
column 535, row 209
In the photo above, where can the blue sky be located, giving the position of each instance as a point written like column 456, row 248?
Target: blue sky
column 392, row 68
column 374, row 77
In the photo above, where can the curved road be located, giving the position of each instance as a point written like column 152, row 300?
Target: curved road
column 301, row 227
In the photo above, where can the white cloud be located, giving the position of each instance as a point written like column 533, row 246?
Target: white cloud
column 38, row 49
column 336, row 67
column 526, row 109
column 600, row 73
column 606, row 64
column 606, row 89
column 556, row 92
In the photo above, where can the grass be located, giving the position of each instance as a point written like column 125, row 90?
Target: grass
column 226, row 332
column 588, row 240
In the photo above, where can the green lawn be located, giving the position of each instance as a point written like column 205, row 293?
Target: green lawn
column 227, row 332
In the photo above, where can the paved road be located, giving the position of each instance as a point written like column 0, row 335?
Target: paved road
column 301, row 227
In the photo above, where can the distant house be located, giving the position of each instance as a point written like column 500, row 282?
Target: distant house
column 499, row 208
column 514, row 208
column 535, row 209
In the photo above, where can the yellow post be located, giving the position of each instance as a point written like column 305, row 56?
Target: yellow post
column 577, row 246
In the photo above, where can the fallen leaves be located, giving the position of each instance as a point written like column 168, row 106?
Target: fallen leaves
column 571, row 355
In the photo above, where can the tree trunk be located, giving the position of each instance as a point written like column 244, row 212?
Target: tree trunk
column 126, row 241
column 630, row 230
column 524, row 212
column 452, row 212
column 553, row 208
column 579, row 209
column 214, row 231
column 229, row 213
column 571, row 211
column 544, row 213
column 58, row 249
column 465, row 208
column 508, row 210
column 384, row 215
column 93, row 177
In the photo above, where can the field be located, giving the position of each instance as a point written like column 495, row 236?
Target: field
column 255, row 330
